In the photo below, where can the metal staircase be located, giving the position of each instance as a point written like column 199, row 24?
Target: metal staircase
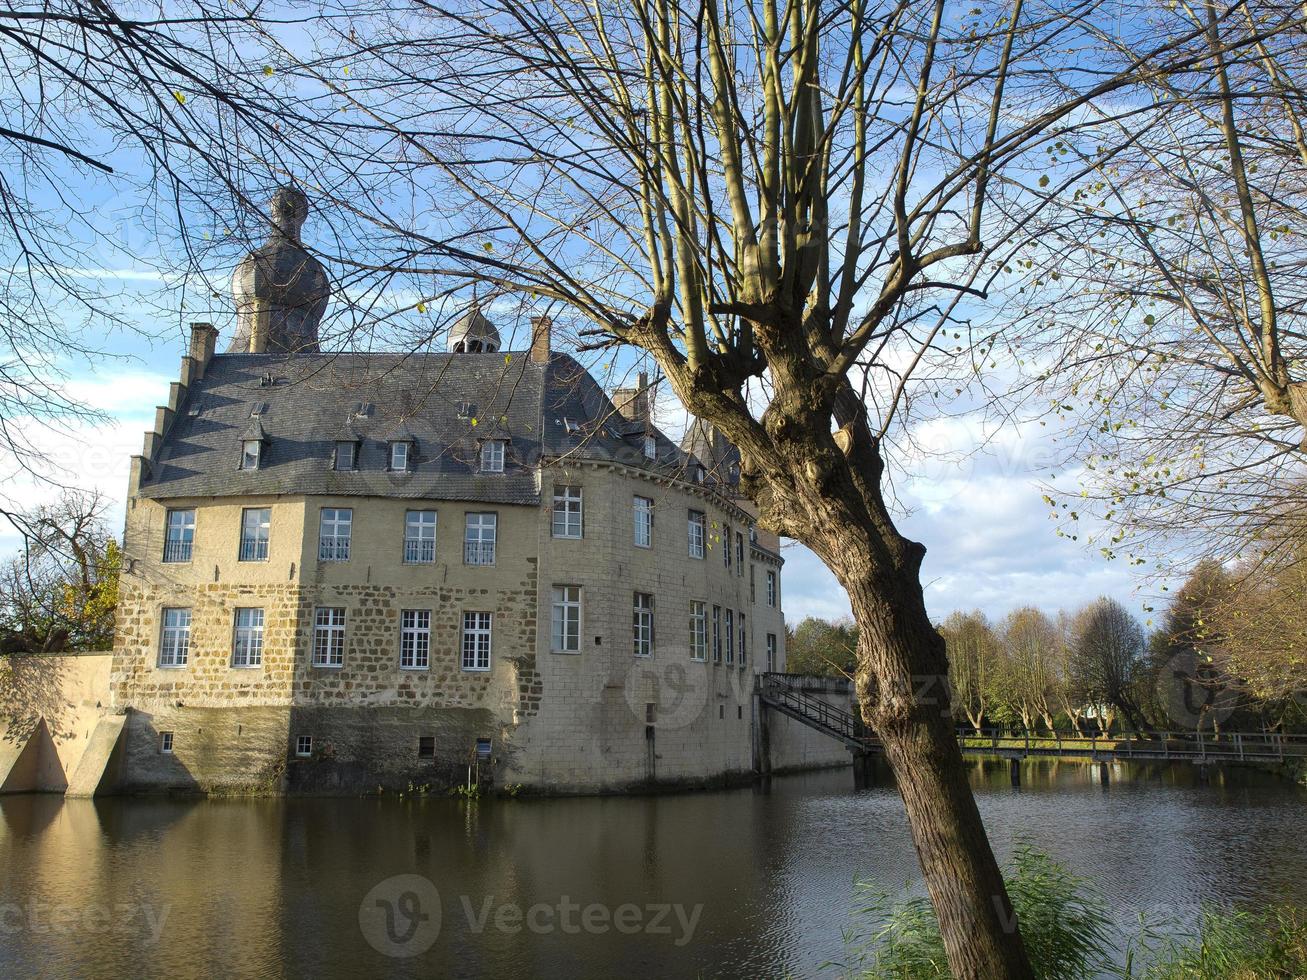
column 779, row 691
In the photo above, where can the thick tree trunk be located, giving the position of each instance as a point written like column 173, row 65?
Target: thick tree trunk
column 903, row 690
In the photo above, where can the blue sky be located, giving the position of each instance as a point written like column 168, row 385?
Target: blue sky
column 990, row 542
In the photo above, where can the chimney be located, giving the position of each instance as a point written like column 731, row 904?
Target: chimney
column 204, row 341
column 540, row 331
column 633, row 403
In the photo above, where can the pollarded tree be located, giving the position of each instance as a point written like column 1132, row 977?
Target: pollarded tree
column 787, row 208
column 973, row 664
column 1029, row 643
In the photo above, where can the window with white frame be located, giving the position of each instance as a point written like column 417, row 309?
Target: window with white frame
column 247, row 638
column 739, row 552
column 743, row 640
column 642, row 624
column 771, row 652
column 565, row 620
column 729, row 642
column 697, row 526
column 256, row 528
column 698, row 630
column 726, row 546
column 476, row 640
column 251, row 449
column 492, row 456
column 650, row 447
column 419, row 537
column 716, row 634
column 334, row 532
column 329, row 637
column 303, row 746
column 399, row 453
column 479, row 539
column 415, row 639
column 643, row 510
column 567, row 512
column 771, row 589
column 165, row 743
column 179, row 535
column 346, row 454
column 175, row 638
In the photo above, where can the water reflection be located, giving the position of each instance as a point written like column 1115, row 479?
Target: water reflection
column 264, row 888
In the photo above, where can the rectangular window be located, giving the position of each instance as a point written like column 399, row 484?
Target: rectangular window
column 426, row 746
column 329, row 637
column 698, row 630
column 753, row 582
column 697, row 529
column 726, row 546
column 247, row 639
column 565, row 621
column 415, row 639
column 303, row 746
column 256, row 526
column 744, row 641
column 179, row 535
column 716, row 634
column 165, row 743
column 739, row 552
column 334, row 533
column 479, row 539
column 175, row 640
column 771, row 589
column 399, row 457
column 476, row 640
column 567, row 512
column 642, row 624
column 771, row 652
column 650, row 447
column 730, row 637
column 419, row 537
column 346, row 455
column 643, row 509
column 250, row 449
column 492, row 456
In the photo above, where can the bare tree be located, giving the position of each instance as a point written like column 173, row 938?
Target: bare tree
column 1166, row 299
column 973, row 665
column 60, row 592
column 1108, row 651
column 787, row 209
column 1029, row 644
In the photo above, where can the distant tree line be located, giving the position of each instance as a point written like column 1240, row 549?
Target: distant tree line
column 1231, row 652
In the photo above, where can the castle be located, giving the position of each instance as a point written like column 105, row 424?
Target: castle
column 345, row 571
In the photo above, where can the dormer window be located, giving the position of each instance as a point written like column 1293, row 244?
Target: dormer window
column 346, row 455
column 650, row 447
column 399, row 454
column 698, row 474
column 250, row 451
column 571, row 426
column 492, row 456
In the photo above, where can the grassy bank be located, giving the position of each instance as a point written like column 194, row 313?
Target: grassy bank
column 1070, row 935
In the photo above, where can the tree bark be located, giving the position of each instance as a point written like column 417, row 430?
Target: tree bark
column 903, row 691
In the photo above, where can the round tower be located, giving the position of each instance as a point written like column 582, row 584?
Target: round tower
column 473, row 333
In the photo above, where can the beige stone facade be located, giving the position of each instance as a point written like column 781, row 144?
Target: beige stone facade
column 597, row 718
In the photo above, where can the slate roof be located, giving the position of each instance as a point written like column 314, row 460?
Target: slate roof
column 446, row 404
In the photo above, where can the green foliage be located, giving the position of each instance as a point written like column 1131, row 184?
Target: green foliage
column 822, row 649
column 1068, row 935
column 1239, row 945
column 1063, row 920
